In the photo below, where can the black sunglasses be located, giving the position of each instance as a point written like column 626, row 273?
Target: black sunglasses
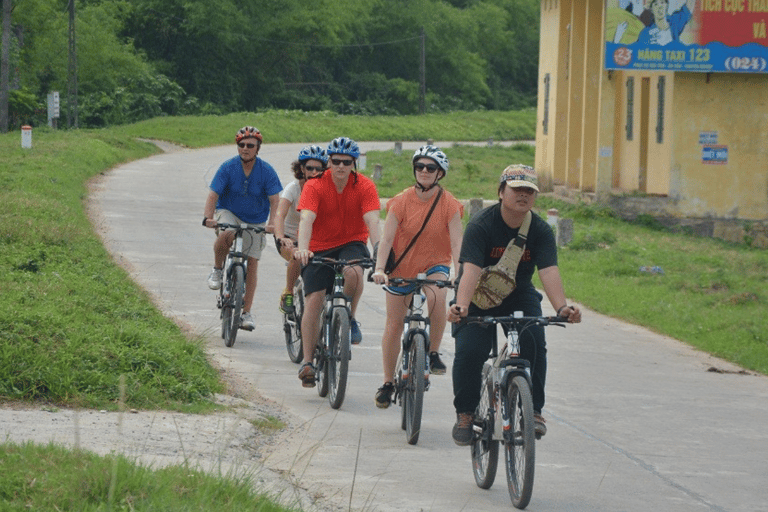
column 339, row 161
column 313, row 168
column 248, row 145
column 431, row 168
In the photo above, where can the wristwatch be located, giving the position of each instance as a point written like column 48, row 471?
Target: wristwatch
column 205, row 219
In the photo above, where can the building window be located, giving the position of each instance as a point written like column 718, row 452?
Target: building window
column 630, row 107
column 660, row 112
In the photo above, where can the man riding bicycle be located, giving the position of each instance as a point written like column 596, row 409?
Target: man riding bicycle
column 339, row 212
column 245, row 189
column 486, row 243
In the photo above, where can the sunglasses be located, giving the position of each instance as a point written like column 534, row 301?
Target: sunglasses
column 249, row 145
column 431, row 168
column 313, row 168
column 339, row 161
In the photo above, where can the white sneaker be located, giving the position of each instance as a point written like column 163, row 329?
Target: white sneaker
column 214, row 280
column 246, row 322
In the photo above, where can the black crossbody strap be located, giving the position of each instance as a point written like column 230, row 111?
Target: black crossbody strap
column 413, row 240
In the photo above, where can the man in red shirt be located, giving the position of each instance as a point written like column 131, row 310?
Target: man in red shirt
column 339, row 212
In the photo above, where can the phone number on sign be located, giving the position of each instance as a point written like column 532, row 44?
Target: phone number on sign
column 745, row 64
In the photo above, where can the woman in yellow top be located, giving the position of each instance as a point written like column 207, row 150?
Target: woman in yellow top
column 431, row 254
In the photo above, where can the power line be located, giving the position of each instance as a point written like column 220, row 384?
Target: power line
column 361, row 45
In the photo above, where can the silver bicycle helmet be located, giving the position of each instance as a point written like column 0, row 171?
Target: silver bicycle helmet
column 433, row 153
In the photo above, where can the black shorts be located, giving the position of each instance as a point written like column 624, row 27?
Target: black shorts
column 320, row 277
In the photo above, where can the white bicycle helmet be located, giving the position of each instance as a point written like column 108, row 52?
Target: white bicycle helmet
column 433, row 153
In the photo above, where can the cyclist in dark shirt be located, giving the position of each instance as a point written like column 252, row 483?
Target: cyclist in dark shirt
column 485, row 241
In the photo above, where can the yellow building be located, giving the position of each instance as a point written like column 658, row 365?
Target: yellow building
column 685, row 145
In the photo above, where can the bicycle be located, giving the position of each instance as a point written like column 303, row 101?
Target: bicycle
column 505, row 412
column 292, row 324
column 333, row 350
column 232, row 290
column 412, row 374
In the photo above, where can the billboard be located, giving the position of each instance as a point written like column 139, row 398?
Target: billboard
column 687, row 35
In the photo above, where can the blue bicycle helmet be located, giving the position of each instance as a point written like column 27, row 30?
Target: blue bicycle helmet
column 313, row 153
column 344, row 146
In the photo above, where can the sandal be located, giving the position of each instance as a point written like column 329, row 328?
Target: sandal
column 307, row 375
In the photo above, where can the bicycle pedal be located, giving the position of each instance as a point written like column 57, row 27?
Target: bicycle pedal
column 244, row 328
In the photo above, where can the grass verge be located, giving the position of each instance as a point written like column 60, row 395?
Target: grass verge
column 50, row 477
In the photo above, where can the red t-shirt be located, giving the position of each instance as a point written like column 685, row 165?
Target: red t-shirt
column 339, row 218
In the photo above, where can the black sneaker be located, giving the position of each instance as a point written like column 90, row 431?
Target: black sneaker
column 462, row 430
column 384, row 395
column 436, row 366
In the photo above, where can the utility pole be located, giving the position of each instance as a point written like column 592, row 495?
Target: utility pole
column 72, row 71
column 423, row 74
column 5, row 67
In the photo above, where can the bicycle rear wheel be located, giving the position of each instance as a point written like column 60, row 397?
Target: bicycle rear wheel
column 413, row 402
column 237, row 290
column 292, row 325
column 338, row 363
column 520, row 442
column 485, row 451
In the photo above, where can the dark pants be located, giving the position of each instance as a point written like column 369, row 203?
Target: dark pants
column 318, row 276
column 473, row 346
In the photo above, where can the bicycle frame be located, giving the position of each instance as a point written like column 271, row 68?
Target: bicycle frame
column 410, row 380
column 505, row 414
column 506, row 365
column 230, row 301
column 333, row 351
column 333, row 300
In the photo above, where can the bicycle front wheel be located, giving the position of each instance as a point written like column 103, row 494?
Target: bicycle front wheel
column 520, row 442
column 338, row 362
column 292, row 325
column 413, row 402
column 485, row 451
column 237, row 290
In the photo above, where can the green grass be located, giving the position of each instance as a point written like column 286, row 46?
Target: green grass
column 294, row 126
column 71, row 321
column 50, row 477
column 712, row 294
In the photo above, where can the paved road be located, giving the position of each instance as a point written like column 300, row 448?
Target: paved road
column 636, row 420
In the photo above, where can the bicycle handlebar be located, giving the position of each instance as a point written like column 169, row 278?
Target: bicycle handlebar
column 241, row 227
column 521, row 321
column 360, row 262
column 415, row 280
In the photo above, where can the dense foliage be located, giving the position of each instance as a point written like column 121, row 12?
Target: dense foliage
column 140, row 59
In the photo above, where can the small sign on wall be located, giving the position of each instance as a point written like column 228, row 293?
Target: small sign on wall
column 714, row 154
column 707, row 137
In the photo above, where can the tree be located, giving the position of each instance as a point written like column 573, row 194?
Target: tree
column 4, row 66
